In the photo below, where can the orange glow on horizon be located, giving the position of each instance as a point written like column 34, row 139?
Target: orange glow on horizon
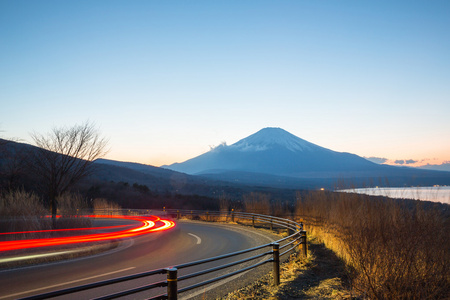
column 416, row 163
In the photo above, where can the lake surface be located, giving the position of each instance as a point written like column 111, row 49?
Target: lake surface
column 435, row 194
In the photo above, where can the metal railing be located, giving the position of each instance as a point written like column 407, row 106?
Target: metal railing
column 267, row 253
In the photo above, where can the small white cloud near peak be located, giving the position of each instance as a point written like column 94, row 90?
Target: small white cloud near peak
column 222, row 145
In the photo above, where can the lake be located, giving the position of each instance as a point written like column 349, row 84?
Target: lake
column 435, row 193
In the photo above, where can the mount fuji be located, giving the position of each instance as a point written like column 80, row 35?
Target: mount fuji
column 273, row 151
column 273, row 156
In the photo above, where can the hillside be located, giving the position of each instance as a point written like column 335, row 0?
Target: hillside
column 129, row 183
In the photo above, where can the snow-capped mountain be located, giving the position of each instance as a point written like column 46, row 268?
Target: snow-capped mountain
column 273, row 151
column 270, row 137
column 275, row 157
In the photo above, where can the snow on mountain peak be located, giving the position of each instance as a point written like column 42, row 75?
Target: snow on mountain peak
column 269, row 137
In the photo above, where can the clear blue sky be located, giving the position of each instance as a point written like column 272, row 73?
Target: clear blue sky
column 164, row 80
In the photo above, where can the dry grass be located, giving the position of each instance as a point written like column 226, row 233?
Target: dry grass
column 319, row 276
column 101, row 205
column 392, row 251
column 21, row 211
column 71, row 204
column 379, row 249
column 70, row 208
column 20, row 203
column 257, row 203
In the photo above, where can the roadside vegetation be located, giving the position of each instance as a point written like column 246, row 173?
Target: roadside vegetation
column 23, row 211
column 388, row 248
column 321, row 275
column 393, row 249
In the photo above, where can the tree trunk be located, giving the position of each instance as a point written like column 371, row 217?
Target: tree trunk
column 54, row 209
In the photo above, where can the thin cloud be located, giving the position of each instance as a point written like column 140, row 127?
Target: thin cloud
column 377, row 160
column 410, row 161
column 415, row 163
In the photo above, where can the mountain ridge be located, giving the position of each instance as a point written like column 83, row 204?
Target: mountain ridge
column 272, row 151
column 273, row 156
column 213, row 181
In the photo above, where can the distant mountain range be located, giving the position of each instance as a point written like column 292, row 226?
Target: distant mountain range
column 442, row 167
column 13, row 157
column 270, row 158
column 406, row 162
column 274, row 151
column 273, row 156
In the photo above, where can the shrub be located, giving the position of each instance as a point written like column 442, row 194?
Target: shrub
column 71, row 207
column 102, row 206
column 394, row 250
column 21, row 211
column 257, row 203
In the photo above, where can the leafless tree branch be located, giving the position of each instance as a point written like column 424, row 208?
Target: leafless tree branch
column 65, row 156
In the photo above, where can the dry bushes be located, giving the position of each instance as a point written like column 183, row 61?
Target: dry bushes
column 102, row 206
column 70, row 209
column 257, row 203
column 394, row 251
column 71, row 205
column 21, row 211
column 20, row 203
column 226, row 205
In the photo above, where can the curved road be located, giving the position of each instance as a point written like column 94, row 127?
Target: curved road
column 188, row 241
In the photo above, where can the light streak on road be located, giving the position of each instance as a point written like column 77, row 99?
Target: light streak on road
column 58, row 230
column 167, row 224
column 147, row 225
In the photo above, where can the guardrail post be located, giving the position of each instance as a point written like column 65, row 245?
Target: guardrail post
column 276, row 263
column 303, row 242
column 253, row 221
column 232, row 215
column 172, row 284
column 178, row 214
column 271, row 225
column 207, row 216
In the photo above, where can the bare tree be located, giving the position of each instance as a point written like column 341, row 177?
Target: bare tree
column 64, row 157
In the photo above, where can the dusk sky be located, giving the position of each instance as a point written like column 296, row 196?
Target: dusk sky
column 165, row 80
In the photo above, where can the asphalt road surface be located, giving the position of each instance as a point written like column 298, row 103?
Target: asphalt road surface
column 188, row 241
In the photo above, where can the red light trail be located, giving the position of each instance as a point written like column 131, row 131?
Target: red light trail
column 147, row 225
